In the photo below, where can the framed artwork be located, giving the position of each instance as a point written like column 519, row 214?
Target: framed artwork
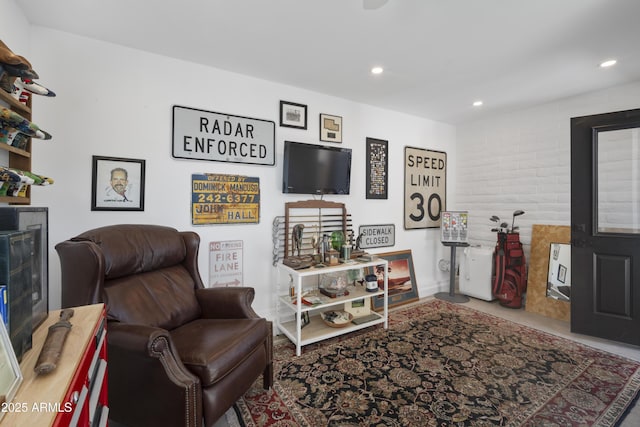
column 377, row 168
column 425, row 187
column 117, row 184
column 401, row 278
column 10, row 374
column 330, row 128
column 293, row 115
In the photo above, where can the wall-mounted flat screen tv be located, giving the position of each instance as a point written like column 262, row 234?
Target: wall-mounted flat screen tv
column 315, row 169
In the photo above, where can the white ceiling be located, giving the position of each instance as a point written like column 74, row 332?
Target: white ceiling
column 439, row 55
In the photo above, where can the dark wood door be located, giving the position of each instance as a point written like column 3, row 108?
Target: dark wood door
column 605, row 225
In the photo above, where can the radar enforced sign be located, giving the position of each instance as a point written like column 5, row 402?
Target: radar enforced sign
column 224, row 199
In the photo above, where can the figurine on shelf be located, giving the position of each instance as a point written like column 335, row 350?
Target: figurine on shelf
column 296, row 239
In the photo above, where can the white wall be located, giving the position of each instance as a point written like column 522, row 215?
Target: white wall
column 521, row 160
column 115, row 101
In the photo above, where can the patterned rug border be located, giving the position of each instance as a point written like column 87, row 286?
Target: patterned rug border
column 613, row 414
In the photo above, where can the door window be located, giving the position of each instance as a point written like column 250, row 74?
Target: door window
column 618, row 181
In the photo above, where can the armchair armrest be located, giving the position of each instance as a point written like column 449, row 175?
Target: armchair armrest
column 143, row 356
column 226, row 303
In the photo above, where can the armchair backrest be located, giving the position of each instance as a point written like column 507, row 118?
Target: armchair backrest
column 145, row 274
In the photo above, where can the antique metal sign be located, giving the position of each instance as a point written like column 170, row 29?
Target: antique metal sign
column 376, row 236
column 206, row 135
column 424, row 187
column 224, row 199
column 225, row 263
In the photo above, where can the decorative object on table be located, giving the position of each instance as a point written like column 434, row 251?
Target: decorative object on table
column 371, row 281
column 334, row 284
column 330, row 128
column 331, row 257
column 305, row 319
column 299, row 262
column 336, row 319
column 402, row 279
column 296, row 239
column 320, row 215
column 117, row 184
column 337, row 240
column 425, row 178
column 293, row 115
column 377, row 168
column 359, row 307
column 582, row 384
column 346, row 252
column 54, row 343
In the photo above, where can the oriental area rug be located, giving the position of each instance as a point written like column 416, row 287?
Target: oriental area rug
column 441, row 364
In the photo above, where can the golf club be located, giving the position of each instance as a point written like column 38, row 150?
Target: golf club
column 515, row 214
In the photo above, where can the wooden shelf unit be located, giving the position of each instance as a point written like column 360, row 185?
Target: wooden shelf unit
column 18, row 158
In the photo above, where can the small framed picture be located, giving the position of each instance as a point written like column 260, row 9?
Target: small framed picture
column 10, row 374
column 330, row 128
column 293, row 115
column 305, row 319
column 117, row 184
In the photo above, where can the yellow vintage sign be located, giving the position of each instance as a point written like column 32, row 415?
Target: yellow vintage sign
column 224, row 199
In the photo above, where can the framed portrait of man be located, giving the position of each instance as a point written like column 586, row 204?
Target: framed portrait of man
column 117, row 184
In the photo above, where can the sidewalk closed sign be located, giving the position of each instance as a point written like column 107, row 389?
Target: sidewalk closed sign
column 206, row 135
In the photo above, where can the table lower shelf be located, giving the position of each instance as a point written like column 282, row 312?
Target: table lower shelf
column 317, row 330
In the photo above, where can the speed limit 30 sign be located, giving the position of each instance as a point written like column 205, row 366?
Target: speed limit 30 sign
column 425, row 187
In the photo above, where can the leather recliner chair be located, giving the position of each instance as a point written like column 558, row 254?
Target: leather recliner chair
column 177, row 351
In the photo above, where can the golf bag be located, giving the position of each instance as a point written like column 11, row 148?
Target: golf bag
column 510, row 270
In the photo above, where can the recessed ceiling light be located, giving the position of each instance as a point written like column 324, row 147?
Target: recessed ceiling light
column 477, row 103
column 608, row 63
column 377, row 70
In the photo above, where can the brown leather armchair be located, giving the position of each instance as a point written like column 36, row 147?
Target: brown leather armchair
column 177, row 351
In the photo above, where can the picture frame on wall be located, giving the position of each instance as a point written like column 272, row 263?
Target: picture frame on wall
column 293, row 115
column 330, row 128
column 10, row 374
column 117, row 184
column 377, row 178
column 403, row 288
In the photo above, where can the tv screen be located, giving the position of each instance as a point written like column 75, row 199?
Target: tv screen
column 315, row 169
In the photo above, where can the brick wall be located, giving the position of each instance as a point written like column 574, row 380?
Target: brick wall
column 521, row 160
